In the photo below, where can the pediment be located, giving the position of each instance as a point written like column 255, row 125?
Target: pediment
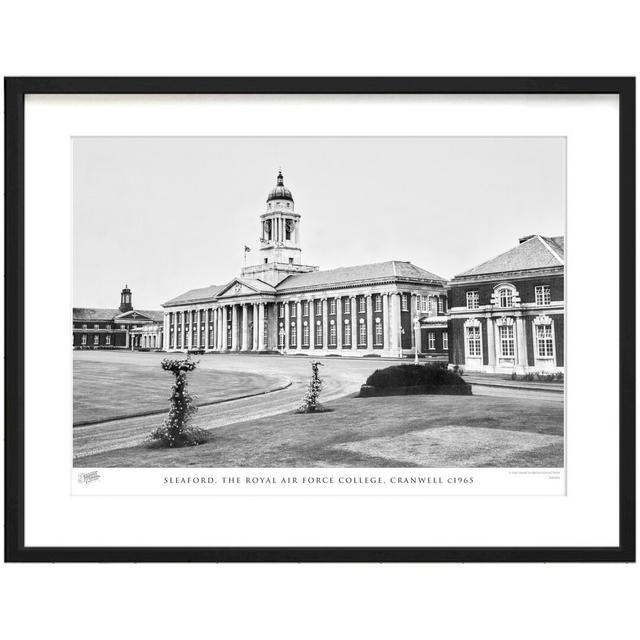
column 133, row 315
column 237, row 288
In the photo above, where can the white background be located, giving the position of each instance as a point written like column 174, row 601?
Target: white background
column 401, row 38
column 587, row 516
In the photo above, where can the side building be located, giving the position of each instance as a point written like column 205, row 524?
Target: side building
column 121, row 328
column 507, row 314
column 280, row 304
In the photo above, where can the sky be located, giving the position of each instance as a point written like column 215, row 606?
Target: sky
column 165, row 215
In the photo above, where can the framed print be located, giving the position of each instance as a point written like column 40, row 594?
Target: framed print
column 320, row 319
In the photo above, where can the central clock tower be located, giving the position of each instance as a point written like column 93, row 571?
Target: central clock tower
column 280, row 237
column 280, row 252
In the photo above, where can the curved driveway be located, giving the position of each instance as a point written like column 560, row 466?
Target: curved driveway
column 341, row 376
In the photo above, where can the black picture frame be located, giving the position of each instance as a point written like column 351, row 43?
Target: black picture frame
column 15, row 91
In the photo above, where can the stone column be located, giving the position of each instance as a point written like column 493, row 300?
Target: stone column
column 418, row 333
column 339, row 323
column 394, row 324
column 521, row 342
column 234, row 327
column 325, row 324
column 165, row 332
column 413, row 311
column 354, row 323
column 287, row 328
column 298, row 326
column 245, row 327
column 491, row 342
column 223, row 328
column 261, row 344
column 254, row 319
column 206, row 319
column 369, row 323
column 385, row 321
column 312, row 324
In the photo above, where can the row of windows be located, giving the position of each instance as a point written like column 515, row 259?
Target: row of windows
column 346, row 306
column 431, row 304
column 506, row 341
column 505, row 297
column 96, row 340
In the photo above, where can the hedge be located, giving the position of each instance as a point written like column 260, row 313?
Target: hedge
column 413, row 375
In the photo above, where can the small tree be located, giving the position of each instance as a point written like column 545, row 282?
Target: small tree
column 175, row 431
column 310, row 402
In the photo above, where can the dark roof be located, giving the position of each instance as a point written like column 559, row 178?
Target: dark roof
column 108, row 315
column 534, row 252
column 196, row 295
column 86, row 313
column 280, row 192
column 393, row 269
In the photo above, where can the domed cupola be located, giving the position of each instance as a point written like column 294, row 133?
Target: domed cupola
column 280, row 192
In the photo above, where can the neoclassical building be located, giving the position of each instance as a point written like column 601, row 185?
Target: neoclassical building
column 121, row 328
column 280, row 304
column 507, row 314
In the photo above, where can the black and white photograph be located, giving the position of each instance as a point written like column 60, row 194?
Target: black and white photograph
column 318, row 302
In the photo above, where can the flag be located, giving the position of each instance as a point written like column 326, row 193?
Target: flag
column 246, row 249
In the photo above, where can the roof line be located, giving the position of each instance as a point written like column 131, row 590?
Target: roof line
column 551, row 251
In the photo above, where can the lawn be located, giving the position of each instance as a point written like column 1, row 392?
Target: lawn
column 107, row 390
column 409, row 431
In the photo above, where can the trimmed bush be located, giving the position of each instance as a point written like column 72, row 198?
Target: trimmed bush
column 414, row 375
column 176, row 430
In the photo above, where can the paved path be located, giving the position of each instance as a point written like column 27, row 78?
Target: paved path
column 341, row 376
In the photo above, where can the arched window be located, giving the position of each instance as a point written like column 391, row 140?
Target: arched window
column 505, row 297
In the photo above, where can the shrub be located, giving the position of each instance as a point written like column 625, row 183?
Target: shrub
column 176, row 431
column 412, row 375
column 310, row 402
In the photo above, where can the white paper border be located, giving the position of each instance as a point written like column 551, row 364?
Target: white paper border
column 587, row 516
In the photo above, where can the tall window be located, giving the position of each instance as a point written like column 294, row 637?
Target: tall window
column 107, row 340
column 363, row 304
column 472, row 299
column 362, row 334
column 445, row 340
column 347, row 306
column 543, row 295
column 305, row 335
column 432, row 305
column 333, row 336
column 424, row 304
column 378, row 302
column 305, row 308
column 505, row 297
column 474, row 346
column 507, row 344
column 440, row 304
column 229, row 336
column 281, row 313
column 544, row 335
column 96, row 339
column 294, row 334
column 265, row 334
column 293, row 309
column 318, row 335
column 404, row 302
column 347, row 334
column 332, row 306
column 318, row 307
column 431, row 340
column 83, row 340
column 378, row 334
